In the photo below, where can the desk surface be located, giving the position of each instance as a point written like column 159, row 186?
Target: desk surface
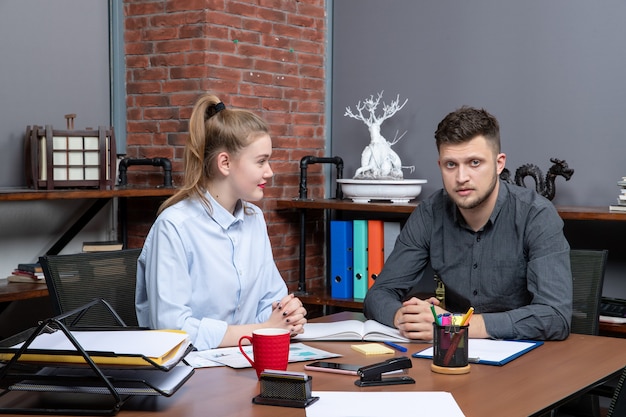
column 527, row 386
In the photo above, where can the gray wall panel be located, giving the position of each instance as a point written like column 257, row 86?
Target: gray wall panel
column 552, row 72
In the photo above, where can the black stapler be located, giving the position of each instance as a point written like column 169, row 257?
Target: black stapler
column 371, row 375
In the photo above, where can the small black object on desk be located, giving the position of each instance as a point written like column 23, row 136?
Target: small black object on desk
column 285, row 389
column 371, row 375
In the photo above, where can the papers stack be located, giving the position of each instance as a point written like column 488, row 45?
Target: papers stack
column 162, row 348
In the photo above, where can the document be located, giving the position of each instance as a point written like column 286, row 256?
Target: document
column 232, row 357
column 491, row 352
column 370, row 330
column 111, row 347
column 386, row 403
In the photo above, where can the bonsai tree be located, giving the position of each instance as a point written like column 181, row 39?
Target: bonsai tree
column 378, row 160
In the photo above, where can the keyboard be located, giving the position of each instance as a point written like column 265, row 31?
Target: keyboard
column 612, row 307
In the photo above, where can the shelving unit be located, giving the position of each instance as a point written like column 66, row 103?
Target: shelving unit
column 100, row 199
column 323, row 298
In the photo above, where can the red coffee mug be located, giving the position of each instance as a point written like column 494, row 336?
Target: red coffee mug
column 270, row 349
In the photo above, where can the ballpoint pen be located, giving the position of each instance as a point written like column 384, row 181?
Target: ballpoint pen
column 396, row 347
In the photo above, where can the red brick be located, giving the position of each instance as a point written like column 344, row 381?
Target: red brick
column 160, row 34
column 275, row 68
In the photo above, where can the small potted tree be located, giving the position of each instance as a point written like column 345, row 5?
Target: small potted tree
column 380, row 175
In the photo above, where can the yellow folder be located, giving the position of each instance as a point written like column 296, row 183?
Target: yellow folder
column 111, row 347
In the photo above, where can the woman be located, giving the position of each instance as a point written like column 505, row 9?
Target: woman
column 207, row 266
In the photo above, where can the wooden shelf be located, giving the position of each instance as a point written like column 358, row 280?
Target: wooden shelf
column 566, row 212
column 347, row 205
column 325, row 300
column 14, row 291
column 25, row 194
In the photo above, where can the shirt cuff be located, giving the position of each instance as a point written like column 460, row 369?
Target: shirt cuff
column 499, row 325
column 210, row 334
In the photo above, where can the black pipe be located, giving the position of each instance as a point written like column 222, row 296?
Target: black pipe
column 304, row 163
column 309, row 159
column 162, row 162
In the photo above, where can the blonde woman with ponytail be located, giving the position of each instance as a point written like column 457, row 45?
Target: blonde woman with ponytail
column 207, row 266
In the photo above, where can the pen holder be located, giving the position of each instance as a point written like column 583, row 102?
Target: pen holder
column 450, row 349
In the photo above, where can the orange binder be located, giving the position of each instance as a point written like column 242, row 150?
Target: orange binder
column 375, row 249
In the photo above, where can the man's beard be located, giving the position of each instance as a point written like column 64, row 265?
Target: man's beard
column 468, row 204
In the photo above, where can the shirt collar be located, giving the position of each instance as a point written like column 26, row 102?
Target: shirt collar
column 222, row 216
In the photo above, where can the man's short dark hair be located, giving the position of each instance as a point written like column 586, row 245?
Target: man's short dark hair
column 464, row 124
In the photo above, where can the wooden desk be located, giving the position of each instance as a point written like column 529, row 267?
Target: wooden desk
column 14, row 291
column 528, row 386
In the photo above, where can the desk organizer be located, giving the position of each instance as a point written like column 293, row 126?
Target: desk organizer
column 60, row 386
column 285, row 389
column 70, row 158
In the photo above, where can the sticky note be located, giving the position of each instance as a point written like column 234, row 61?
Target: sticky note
column 372, row 349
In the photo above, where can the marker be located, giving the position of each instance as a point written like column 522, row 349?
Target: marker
column 396, row 347
column 432, row 308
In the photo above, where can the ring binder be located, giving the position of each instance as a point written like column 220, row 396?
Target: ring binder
column 116, row 382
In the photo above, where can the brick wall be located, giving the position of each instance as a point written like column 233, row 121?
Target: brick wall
column 264, row 55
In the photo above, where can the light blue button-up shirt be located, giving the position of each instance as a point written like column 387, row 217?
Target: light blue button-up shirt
column 201, row 271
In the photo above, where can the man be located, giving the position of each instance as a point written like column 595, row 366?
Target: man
column 495, row 246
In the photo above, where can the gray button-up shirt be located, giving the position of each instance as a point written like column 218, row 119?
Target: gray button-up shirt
column 515, row 271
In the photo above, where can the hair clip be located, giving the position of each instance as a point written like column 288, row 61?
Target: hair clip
column 213, row 110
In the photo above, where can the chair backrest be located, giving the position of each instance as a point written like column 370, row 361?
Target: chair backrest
column 74, row 280
column 588, row 276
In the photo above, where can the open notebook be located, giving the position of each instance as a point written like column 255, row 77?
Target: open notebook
column 369, row 330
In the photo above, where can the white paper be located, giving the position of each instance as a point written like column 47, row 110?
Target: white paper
column 232, row 357
column 490, row 350
column 379, row 404
column 152, row 344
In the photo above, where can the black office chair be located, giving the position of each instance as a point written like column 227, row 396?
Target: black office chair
column 588, row 268
column 74, row 280
column 618, row 402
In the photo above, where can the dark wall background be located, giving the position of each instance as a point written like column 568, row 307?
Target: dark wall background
column 551, row 72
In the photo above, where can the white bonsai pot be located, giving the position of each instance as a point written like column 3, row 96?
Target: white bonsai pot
column 398, row 191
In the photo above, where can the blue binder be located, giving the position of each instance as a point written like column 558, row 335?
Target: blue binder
column 360, row 258
column 341, row 259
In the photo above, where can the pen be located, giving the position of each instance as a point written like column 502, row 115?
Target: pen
column 432, row 308
column 396, row 347
column 467, row 316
